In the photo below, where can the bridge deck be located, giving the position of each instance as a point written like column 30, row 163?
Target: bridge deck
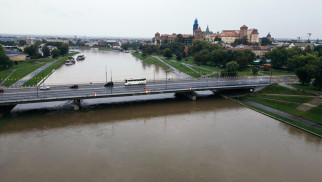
column 88, row 91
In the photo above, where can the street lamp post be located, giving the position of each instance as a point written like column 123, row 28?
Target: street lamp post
column 166, row 78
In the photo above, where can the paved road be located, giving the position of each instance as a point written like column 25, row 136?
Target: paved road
column 32, row 74
column 88, row 90
column 284, row 114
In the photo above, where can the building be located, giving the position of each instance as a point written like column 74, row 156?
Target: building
column 195, row 26
column 186, row 38
column 229, row 36
column 56, row 39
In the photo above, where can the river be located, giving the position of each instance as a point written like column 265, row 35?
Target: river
column 153, row 138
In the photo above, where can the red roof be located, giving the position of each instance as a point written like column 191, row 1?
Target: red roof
column 255, row 31
column 229, row 34
column 216, row 35
column 244, row 26
column 187, row 36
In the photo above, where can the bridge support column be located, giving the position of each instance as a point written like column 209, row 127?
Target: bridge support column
column 4, row 110
column 77, row 104
column 192, row 95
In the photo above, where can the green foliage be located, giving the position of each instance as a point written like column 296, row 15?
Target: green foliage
column 64, row 49
column 254, row 70
column 265, row 41
column 318, row 75
column 318, row 49
column 22, row 42
column 231, row 69
column 167, row 53
column 45, row 51
column 305, row 74
column 243, row 41
column 55, row 53
column 5, row 61
column 276, row 89
column 300, row 60
column 125, row 46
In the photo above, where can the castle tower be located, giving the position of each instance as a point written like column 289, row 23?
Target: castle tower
column 157, row 38
column 195, row 26
column 243, row 31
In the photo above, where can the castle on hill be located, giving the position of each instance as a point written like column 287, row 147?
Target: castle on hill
column 226, row 36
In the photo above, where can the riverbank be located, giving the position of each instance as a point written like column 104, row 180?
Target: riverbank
column 276, row 100
column 42, row 75
column 151, row 60
column 22, row 69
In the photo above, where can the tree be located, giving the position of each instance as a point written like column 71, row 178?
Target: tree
column 278, row 56
column 305, row 74
column 125, row 46
column 319, row 50
column 22, row 42
column 179, row 38
column 55, row 53
column 254, row 70
column 201, row 57
column 217, row 39
column 179, row 56
column 31, row 50
column 46, row 52
column 266, row 41
column 318, row 75
column 167, row 53
column 231, row 69
column 64, row 49
column 5, row 61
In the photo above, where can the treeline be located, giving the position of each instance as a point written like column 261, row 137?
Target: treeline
column 34, row 53
column 5, row 61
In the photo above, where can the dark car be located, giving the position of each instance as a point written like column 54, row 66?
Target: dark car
column 1, row 90
column 109, row 84
column 74, row 86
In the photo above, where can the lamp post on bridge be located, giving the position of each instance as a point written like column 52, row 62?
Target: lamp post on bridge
column 166, row 78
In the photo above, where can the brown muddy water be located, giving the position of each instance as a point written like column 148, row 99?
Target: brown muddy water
column 162, row 139
column 149, row 138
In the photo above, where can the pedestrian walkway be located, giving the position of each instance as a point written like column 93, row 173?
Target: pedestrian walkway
column 178, row 73
column 32, row 74
column 311, row 104
column 284, row 114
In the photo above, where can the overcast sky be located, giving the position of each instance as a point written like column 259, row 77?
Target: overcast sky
column 143, row 18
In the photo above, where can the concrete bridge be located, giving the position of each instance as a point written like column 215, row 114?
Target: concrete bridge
column 13, row 96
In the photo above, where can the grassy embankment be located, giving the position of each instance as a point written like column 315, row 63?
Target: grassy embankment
column 308, row 88
column 23, row 69
column 189, row 60
column 33, row 81
column 151, row 60
column 281, row 118
column 288, row 103
column 4, row 74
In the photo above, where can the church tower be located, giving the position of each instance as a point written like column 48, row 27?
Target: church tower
column 195, row 26
column 243, row 31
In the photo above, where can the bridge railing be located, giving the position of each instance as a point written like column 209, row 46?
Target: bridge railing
column 157, row 87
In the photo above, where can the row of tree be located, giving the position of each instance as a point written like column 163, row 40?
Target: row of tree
column 5, row 62
column 286, row 58
column 206, row 53
column 61, row 49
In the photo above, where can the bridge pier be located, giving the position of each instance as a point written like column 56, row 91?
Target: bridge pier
column 77, row 104
column 192, row 95
column 4, row 110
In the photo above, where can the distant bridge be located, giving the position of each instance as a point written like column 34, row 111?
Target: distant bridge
column 13, row 96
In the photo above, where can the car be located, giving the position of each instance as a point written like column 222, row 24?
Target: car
column 1, row 90
column 109, row 84
column 73, row 86
column 44, row 88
